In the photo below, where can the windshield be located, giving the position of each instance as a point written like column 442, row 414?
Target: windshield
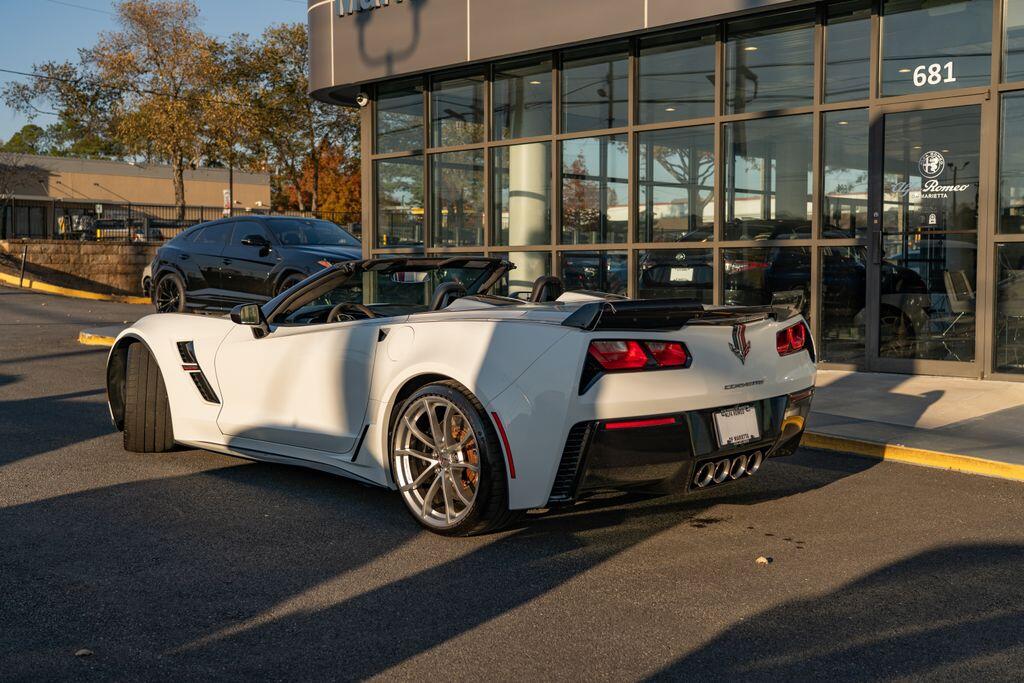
column 300, row 232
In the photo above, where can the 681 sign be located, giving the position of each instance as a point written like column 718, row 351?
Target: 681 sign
column 933, row 74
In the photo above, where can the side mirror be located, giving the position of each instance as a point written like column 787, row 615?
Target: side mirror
column 251, row 315
column 256, row 241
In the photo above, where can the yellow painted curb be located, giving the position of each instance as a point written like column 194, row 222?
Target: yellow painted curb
column 95, row 339
column 38, row 286
column 916, row 456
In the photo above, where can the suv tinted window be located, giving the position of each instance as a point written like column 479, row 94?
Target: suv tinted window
column 244, row 229
column 212, row 236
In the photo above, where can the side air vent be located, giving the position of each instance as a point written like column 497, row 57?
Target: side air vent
column 187, row 352
column 205, row 390
column 190, row 364
column 568, row 469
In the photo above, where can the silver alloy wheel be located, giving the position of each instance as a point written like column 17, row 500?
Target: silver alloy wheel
column 437, row 461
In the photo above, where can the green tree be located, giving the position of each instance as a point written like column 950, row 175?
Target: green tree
column 285, row 130
column 29, row 140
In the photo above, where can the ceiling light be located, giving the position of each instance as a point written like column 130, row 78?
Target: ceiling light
column 945, row 151
column 670, row 108
column 916, row 147
column 904, row 71
column 534, row 82
column 751, row 48
column 842, row 123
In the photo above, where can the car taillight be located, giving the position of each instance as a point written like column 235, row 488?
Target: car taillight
column 791, row 339
column 624, row 354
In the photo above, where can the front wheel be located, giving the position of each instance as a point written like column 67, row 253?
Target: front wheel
column 147, row 412
column 169, row 296
column 448, row 463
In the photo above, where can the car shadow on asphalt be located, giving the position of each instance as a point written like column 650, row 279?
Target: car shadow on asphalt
column 953, row 612
column 29, row 425
column 197, row 572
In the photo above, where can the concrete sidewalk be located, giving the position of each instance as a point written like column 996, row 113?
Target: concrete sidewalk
column 972, row 418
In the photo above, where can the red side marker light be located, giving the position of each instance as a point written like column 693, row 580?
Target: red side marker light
column 508, row 449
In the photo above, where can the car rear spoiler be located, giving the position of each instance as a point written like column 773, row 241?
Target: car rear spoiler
column 667, row 314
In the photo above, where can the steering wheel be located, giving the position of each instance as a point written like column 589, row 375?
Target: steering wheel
column 335, row 315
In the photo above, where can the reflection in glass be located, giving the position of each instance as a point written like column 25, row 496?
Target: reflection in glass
column 1009, row 332
column 671, row 274
column 929, row 246
column 930, row 45
column 1011, row 165
column 843, row 295
column 399, row 116
column 770, row 63
column 530, row 265
column 595, row 190
column 521, row 99
column 400, row 202
column 457, row 111
column 676, row 77
column 522, row 194
column 761, row 276
column 847, row 54
column 768, row 178
column 595, row 88
column 457, row 201
column 676, row 185
column 1013, row 41
column 845, row 184
column 599, row 271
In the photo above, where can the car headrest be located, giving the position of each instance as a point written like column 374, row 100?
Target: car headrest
column 546, row 288
column 445, row 294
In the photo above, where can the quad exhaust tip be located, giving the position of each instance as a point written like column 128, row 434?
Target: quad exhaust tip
column 716, row 472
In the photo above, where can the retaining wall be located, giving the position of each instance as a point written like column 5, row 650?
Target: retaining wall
column 106, row 267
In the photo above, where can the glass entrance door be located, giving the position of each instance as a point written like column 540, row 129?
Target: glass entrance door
column 926, row 242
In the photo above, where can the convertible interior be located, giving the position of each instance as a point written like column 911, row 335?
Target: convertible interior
column 405, row 287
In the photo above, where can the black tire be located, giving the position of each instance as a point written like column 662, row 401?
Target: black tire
column 169, row 294
column 288, row 282
column 490, row 510
column 147, row 413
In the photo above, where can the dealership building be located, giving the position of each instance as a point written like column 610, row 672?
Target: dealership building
column 863, row 161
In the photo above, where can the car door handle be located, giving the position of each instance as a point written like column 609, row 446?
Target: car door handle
column 183, row 257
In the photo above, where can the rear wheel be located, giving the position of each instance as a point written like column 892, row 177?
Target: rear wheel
column 147, row 412
column 289, row 281
column 169, row 296
column 448, row 463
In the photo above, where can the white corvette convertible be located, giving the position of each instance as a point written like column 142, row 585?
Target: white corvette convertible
column 407, row 374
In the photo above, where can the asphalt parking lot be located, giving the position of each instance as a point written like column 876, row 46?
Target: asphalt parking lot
column 192, row 564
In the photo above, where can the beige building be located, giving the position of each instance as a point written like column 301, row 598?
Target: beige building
column 52, row 193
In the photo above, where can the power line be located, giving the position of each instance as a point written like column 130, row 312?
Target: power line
column 89, row 9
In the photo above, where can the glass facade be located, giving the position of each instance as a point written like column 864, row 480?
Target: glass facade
column 859, row 161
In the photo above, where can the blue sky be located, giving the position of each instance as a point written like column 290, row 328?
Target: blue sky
column 37, row 31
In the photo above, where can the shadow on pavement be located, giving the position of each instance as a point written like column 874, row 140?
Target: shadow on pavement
column 188, row 574
column 958, row 607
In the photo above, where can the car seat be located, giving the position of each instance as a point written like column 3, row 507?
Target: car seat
column 546, row 288
column 445, row 294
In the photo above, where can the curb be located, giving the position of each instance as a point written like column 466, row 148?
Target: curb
column 38, row 286
column 915, row 456
column 90, row 339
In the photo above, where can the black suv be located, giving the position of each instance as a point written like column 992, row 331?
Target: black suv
column 245, row 259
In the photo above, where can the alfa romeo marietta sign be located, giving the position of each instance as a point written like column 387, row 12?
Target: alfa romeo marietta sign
column 347, row 7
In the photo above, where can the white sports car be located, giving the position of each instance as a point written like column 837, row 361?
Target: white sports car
column 406, row 373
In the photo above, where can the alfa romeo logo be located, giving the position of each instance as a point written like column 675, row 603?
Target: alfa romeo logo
column 932, row 163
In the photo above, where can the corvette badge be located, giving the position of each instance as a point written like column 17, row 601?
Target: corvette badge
column 740, row 346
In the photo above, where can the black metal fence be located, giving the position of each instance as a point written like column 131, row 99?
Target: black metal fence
column 58, row 219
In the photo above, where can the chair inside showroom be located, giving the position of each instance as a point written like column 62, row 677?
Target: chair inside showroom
column 962, row 299
column 1010, row 318
column 546, row 289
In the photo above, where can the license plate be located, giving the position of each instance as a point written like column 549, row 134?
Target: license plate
column 736, row 425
